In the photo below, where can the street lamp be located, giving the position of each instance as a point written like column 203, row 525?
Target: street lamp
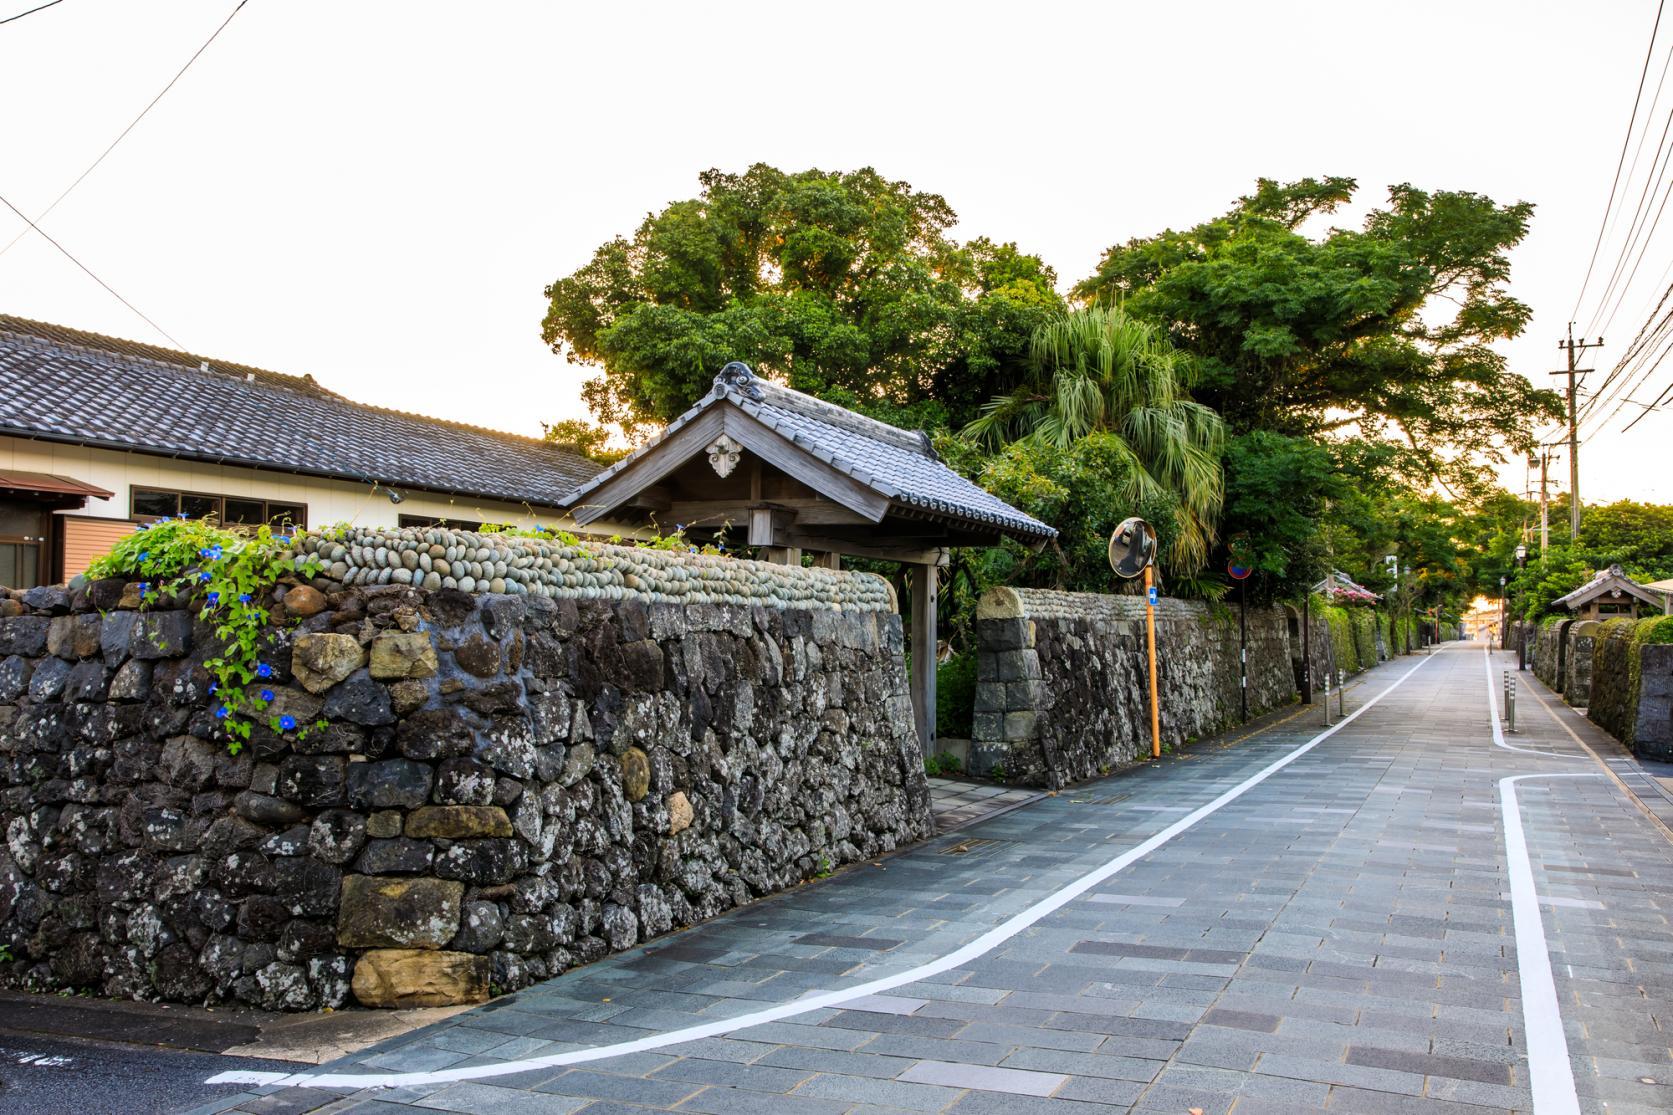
column 1521, row 628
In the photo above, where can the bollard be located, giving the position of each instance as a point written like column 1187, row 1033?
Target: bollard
column 1510, row 707
column 1342, row 695
column 1327, row 699
column 1504, row 694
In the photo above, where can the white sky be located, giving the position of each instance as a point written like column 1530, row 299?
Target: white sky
column 376, row 192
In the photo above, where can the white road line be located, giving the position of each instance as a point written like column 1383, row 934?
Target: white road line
column 1493, row 715
column 988, row 941
column 1550, row 1076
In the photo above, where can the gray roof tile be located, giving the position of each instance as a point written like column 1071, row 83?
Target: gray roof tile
column 67, row 385
column 900, row 465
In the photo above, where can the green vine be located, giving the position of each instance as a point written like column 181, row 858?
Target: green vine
column 230, row 572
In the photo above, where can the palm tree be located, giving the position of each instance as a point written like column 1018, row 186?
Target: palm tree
column 1097, row 370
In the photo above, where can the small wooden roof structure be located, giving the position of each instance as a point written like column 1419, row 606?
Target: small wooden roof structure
column 1609, row 585
column 1665, row 589
column 790, row 474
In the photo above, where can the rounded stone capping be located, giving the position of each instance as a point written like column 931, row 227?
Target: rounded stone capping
column 439, row 557
column 1000, row 603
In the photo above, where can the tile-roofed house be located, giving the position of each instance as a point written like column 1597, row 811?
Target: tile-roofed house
column 152, row 428
column 791, row 473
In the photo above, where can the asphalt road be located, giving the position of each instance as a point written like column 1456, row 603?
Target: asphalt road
column 49, row 1076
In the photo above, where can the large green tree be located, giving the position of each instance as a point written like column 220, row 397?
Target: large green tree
column 845, row 285
column 1384, row 331
column 1099, row 371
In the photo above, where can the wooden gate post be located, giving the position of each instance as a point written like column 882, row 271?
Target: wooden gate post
column 924, row 638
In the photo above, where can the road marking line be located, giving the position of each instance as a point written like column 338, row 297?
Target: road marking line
column 1493, row 713
column 1550, row 1075
column 982, row 945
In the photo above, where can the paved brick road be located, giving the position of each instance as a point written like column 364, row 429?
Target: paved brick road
column 1339, row 934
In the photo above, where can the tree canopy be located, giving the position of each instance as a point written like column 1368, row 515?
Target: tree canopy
column 1315, row 396
column 842, row 284
column 1383, row 331
column 1100, row 371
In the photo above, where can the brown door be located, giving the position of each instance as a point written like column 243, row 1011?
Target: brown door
column 24, row 552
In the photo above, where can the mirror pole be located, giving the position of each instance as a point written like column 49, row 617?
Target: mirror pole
column 1150, row 634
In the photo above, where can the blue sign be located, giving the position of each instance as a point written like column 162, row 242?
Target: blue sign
column 1152, row 596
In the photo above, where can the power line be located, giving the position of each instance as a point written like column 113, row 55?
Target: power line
column 1649, row 335
column 89, row 271
column 31, row 11
column 1648, row 407
column 1632, row 171
column 1659, row 160
column 42, row 215
column 1626, row 142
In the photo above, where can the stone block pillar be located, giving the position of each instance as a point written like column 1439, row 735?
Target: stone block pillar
column 1008, row 690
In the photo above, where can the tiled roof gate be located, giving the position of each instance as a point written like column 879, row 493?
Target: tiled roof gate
column 801, row 474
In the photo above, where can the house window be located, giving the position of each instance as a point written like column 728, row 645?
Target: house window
column 433, row 521
column 232, row 511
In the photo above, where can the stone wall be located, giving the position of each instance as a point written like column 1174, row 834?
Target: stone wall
column 509, row 785
column 1632, row 690
column 1614, row 700
column 1652, row 733
column 1548, row 653
column 1580, row 645
column 1062, row 689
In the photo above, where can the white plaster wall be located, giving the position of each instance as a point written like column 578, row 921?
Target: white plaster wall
column 329, row 501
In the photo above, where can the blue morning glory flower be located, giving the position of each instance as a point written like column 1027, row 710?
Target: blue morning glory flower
column 287, row 723
column 267, row 695
column 214, row 687
column 203, row 578
column 263, row 670
column 145, row 555
column 182, row 515
column 221, row 712
column 243, row 598
column 214, row 599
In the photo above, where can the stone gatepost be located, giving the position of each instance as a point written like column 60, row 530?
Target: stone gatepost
column 1008, row 690
column 1577, row 664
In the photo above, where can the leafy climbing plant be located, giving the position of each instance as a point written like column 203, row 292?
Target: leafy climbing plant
column 229, row 573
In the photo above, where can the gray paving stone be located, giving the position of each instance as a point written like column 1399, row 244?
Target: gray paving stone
column 751, row 1077
column 865, row 1089
column 486, row 1099
column 632, row 1089
column 984, row 1078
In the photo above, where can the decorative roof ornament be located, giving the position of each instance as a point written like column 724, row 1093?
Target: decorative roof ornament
column 723, row 455
column 736, row 376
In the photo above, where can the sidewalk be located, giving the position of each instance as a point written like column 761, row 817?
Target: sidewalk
column 1304, row 920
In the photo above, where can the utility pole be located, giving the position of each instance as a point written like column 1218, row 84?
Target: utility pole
column 1573, row 348
column 1544, row 506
